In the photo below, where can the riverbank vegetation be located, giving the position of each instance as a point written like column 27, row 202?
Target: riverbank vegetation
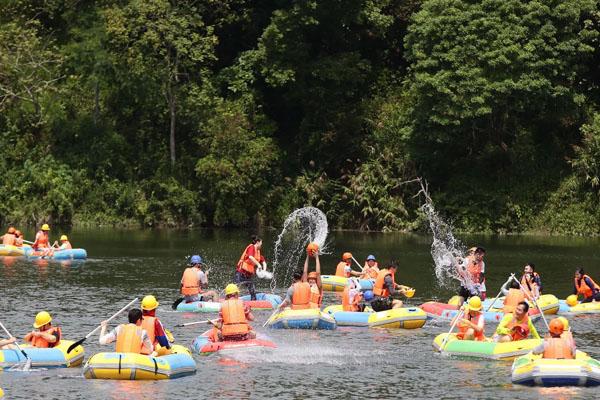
column 236, row 112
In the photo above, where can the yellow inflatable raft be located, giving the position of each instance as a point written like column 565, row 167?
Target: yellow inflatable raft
column 532, row 370
column 132, row 366
column 9, row 250
column 486, row 349
column 399, row 318
column 55, row 357
column 333, row 283
column 549, row 304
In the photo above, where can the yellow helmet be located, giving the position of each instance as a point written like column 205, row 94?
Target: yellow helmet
column 231, row 289
column 475, row 303
column 454, row 301
column 149, row 303
column 45, row 227
column 63, row 238
column 572, row 300
column 42, row 318
column 565, row 323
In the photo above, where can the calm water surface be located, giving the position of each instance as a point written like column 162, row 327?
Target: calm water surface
column 346, row 363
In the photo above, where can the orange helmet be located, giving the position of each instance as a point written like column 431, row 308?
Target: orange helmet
column 312, row 248
column 347, row 256
column 312, row 275
column 556, row 326
column 11, row 229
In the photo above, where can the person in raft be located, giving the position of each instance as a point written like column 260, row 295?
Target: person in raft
column 531, row 281
column 352, row 297
column 513, row 295
column 19, row 239
column 472, row 324
column 585, row 286
column 344, row 267
column 371, row 268
column 45, row 335
column 129, row 338
column 384, row 290
column 64, row 244
column 41, row 245
column 313, row 278
column 516, row 326
column 233, row 317
column 9, row 238
column 250, row 260
column 6, row 344
column 557, row 345
column 154, row 328
column 194, row 280
column 298, row 294
column 472, row 270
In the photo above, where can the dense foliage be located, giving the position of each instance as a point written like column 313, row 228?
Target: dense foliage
column 235, row 112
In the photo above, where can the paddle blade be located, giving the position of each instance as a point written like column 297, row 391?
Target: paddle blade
column 176, row 303
column 77, row 343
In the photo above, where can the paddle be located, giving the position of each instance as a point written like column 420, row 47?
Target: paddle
column 79, row 342
column 27, row 241
column 357, row 263
column 277, row 311
column 208, row 321
column 176, row 303
column 458, row 318
column 499, row 293
column 535, row 303
column 28, row 362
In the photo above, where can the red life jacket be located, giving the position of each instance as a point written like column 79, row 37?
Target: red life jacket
column 301, row 296
column 379, row 288
column 245, row 264
column 475, row 269
column 234, row 318
column 523, row 332
column 584, row 289
column 40, row 342
column 41, row 240
column 557, row 348
column 190, row 283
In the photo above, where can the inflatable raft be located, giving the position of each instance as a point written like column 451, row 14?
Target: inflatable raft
column 55, row 357
column 264, row 301
column 533, row 370
column 311, row 318
column 549, row 304
column 132, row 366
column 403, row 318
column 203, row 345
column 448, row 312
column 487, row 349
column 579, row 308
column 333, row 283
column 14, row 251
column 70, row 254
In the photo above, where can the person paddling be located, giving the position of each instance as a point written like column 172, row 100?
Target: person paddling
column 513, row 295
column 233, row 317
column 516, row 325
column 556, row 345
column 129, row 338
column 45, row 335
column 472, row 325
column 385, row 288
column 19, row 239
column 64, row 244
column 194, row 280
column 344, row 267
column 153, row 327
column 6, row 344
column 371, row 268
column 313, row 278
column 585, row 286
column 41, row 245
column 250, row 260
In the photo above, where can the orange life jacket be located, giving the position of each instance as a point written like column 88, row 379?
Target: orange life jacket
column 301, row 297
column 462, row 329
column 129, row 339
column 584, row 289
column 9, row 239
column 40, row 342
column 474, row 269
column 529, row 286
column 244, row 264
column 234, row 318
column 41, row 240
column 315, row 297
column 350, row 305
column 340, row 270
column 557, row 348
column 379, row 288
column 512, row 299
column 148, row 326
column 371, row 272
column 190, row 283
column 66, row 245
column 521, row 334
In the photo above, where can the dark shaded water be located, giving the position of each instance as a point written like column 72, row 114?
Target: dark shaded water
column 347, row 363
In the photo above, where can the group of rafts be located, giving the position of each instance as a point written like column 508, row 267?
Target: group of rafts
column 13, row 244
column 528, row 368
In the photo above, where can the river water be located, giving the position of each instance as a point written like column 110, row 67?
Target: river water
column 346, row 363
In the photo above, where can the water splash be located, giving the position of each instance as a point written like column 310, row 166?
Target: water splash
column 305, row 225
column 447, row 251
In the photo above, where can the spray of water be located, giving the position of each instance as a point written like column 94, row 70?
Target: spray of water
column 305, row 225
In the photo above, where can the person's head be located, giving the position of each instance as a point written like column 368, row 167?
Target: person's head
column 64, row 238
column 556, row 327
column 149, row 304
column 371, row 261
column 347, row 257
column 135, row 316
column 45, row 227
column 43, row 321
column 18, row 233
column 256, row 241
column 231, row 290
column 521, row 310
column 475, row 304
column 514, row 284
column 529, row 268
column 312, row 278
column 392, row 268
column 195, row 260
column 579, row 273
column 479, row 253
column 11, row 230
column 297, row 276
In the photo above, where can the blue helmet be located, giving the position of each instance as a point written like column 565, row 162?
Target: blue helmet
column 371, row 257
column 196, row 260
column 368, row 295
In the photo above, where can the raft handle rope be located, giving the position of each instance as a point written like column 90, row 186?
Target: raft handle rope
column 155, row 366
column 120, row 356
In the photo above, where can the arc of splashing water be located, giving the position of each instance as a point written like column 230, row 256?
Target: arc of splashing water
column 305, row 225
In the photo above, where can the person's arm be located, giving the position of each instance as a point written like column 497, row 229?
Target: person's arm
column 318, row 270
column 29, row 337
column 202, row 279
column 502, row 326
column 107, row 338
column 539, row 349
column 588, row 282
column 575, row 291
column 305, row 271
column 48, row 337
column 147, row 343
column 248, row 313
column 160, row 334
column 534, row 332
column 4, row 342
column 251, row 253
column 389, row 283
column 288, row 298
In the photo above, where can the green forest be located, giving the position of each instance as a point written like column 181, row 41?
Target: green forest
column 233, row 113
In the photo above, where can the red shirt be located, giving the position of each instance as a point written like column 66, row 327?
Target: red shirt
column 251, row 251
